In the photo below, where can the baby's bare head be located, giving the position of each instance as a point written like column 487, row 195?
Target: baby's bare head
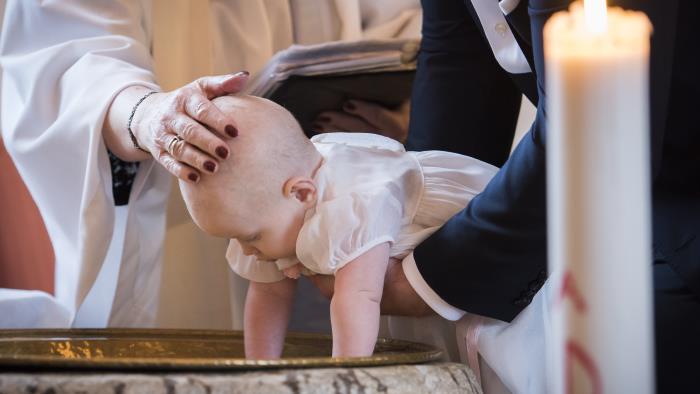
column 270, row 149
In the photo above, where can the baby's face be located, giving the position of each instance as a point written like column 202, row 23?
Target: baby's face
column 270, row 234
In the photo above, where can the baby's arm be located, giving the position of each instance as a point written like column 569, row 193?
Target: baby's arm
column 267, row 310
column 355, row 304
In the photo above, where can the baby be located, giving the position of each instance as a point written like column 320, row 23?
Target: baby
column 339, row 204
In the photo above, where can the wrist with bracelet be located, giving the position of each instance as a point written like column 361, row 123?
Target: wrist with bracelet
column 131, row 118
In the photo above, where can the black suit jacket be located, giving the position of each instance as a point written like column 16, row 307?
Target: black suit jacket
column 491, row 258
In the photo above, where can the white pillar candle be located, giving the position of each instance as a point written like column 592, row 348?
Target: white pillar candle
column 599, row 209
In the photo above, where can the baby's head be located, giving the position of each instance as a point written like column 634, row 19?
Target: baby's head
column 260, row 193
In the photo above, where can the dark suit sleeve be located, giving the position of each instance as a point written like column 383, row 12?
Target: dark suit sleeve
column 462, row 100
column 490, row 258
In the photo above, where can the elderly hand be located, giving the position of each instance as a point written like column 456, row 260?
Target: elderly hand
column 398, row 299
column 368, row 117
column 184, row 130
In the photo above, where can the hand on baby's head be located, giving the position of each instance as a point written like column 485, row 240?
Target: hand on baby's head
column 250, row 190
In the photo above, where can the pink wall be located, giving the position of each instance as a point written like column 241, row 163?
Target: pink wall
column 26, row 254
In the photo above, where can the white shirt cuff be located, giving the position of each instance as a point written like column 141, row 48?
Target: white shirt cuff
column 428, row 295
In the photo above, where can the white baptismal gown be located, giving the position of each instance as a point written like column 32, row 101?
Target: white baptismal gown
column 372, row 191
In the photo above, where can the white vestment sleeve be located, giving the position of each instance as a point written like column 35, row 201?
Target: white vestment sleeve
column 62, row 64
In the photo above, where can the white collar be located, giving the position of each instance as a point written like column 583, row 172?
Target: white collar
column 503, row 44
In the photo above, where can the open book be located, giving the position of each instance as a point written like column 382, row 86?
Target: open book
column 310, row 79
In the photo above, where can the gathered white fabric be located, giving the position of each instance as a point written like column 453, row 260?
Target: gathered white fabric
column 371, row 191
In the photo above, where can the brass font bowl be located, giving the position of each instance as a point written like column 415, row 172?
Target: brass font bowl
column 162, row 349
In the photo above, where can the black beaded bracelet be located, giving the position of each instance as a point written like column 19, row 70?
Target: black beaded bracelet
column 131, row 118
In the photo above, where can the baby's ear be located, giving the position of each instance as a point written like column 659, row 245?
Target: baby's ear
column 301, row 188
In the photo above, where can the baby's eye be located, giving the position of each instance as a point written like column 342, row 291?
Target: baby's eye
column 253, row 238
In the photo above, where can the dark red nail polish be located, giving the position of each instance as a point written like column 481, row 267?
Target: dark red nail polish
column 232, row 131
column 350, row 106
column 324, row 118
column 193, row 177
column 317, row 127
column 209, row 166
column 222, row 152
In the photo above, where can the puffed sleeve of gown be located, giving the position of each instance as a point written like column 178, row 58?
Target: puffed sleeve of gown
column 347, row 226
column 62, row 64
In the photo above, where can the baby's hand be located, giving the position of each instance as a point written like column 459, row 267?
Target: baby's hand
column 293, row 272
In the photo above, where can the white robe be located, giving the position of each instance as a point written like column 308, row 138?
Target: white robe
column 62, row 64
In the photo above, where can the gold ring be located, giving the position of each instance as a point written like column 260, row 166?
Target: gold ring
column 171, row 144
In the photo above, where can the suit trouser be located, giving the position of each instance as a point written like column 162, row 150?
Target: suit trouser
column 677, row 332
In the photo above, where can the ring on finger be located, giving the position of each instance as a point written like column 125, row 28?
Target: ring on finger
column 171, row 145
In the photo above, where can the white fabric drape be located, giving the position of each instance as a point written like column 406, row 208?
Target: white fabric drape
column 62, row 65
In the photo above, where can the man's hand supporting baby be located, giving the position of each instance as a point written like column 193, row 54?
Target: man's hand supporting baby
column 355, row 303
column 267, row 310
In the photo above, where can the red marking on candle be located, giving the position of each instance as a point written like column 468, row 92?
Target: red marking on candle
column 574, row 353
column 569, row 290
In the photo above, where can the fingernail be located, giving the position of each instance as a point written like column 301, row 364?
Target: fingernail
column 350, row 106
column 243, row 72
column 193, row 177
column 222, row 152
column 317, row 127
column 324, row 118
column 231, row 130
column 209, row 166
